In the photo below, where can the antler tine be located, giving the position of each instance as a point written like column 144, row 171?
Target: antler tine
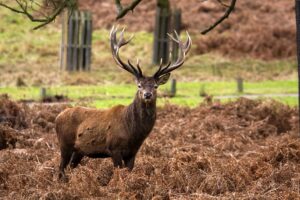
column 160, row 66
column 122, row 41
column 132, row 67
column 184, row 49
column 177, row 40
column 138, row 66
column 115, row 47
column 188, row 43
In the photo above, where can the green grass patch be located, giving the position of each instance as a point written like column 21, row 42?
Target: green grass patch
column 291, row 101
column 188, row 93
column 184, row 89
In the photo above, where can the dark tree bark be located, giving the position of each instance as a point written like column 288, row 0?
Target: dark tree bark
column 122, row 11
column 298, row 49
column 163, row 3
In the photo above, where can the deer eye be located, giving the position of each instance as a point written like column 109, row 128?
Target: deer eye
column 155, row 86
column 139, row 86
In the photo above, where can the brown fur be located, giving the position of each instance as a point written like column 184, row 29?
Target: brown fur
column 120, row 131
column 117, row 132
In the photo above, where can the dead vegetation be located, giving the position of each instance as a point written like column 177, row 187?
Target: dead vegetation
column 256, row 29
column 245, row 150
column 251, row 32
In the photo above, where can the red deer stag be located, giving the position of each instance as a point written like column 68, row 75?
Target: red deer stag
column 120, row 131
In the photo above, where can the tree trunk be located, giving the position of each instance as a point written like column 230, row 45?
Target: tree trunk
column 163, row 3
column 162, row 26
column 298, row 49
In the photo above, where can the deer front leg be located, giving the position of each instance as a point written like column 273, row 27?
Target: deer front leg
column 117, row 159
column 129, row 162
column 75, row 159
column 66, row 154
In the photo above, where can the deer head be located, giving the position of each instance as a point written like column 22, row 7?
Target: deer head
column 147, row 85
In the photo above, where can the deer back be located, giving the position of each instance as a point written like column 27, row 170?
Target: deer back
column 86, row 128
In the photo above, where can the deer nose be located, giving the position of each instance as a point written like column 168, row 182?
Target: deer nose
column 147, row 95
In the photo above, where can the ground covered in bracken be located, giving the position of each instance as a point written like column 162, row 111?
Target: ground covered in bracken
column 247, row 149
column 257, row 29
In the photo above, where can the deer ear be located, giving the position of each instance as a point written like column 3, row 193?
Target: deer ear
column 163, row 79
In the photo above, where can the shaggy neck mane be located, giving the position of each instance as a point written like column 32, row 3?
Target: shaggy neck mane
column 140, row 118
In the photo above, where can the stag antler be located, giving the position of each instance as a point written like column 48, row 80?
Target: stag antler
column 115, row 47
column 183, row 47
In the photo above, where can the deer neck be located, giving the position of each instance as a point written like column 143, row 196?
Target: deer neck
column 141, row 117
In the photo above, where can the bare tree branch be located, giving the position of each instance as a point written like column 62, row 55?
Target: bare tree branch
column 32, row 8
column 123, row 11
column 25, row 7
column 226, row 15
column 54, row 15
column 10, row 8
column 223, row 4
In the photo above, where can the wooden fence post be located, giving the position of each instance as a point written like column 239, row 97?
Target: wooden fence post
column 173, row 87
column 240, row 85
column 176, row 25
column 76, row 41
column 43, row 93
column 88, row 40
column 161, row 40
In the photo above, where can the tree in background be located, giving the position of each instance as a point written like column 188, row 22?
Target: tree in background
column 297, row 9
column 46, row 11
